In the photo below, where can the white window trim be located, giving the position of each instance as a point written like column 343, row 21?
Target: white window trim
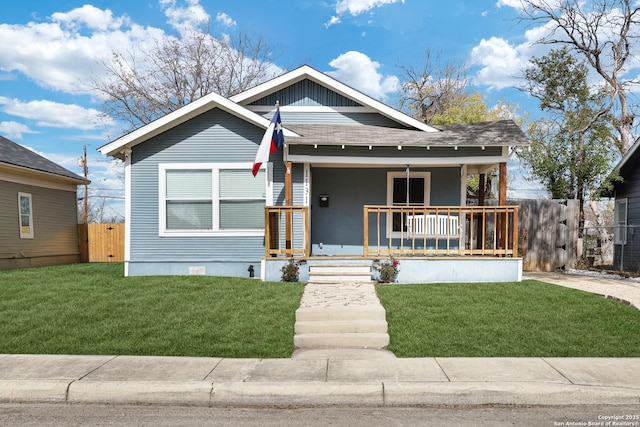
column 215, row 168
column 427, row 195
column 620, row 234
column 24, row 235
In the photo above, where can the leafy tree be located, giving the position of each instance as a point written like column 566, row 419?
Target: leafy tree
column 437, row 93
column 140, row 87
column 604, row 33
column 571, row 151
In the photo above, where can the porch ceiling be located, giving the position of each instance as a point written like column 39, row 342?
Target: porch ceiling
column 500, row 133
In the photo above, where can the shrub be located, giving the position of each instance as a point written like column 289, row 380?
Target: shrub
column 290, row 271
column 387, row 270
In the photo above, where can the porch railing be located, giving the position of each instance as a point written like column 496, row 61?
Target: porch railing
column 431, row 230
column 287, row 231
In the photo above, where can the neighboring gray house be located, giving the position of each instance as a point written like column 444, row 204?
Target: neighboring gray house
column 365, row 182
column 38, row 210
column 626, row 237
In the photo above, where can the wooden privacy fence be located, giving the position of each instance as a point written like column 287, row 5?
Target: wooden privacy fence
column 548, row 236
column 101, row 242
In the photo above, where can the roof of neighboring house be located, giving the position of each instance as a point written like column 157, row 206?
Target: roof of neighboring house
column 627, row 161
column 16, row 155
column 499, row 133
column 631, row 152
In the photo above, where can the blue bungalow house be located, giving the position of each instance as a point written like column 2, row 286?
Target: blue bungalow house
column 356, row 181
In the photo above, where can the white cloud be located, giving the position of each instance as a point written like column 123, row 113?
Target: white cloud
column 90, row 16
column 55, row 115
column 516, row 4
column 225, row 20
column 14, row 130
column 59, row 56
column 184, row 18
column 332, row 21
column 357, row 7
column 358, row 71
column 501, row 63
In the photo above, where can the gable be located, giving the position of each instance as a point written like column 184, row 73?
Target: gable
column 306, row 93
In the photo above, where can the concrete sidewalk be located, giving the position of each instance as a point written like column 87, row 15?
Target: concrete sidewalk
column 381, row 380
column 333, row 377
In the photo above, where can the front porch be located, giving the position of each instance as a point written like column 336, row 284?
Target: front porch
column 433, row 244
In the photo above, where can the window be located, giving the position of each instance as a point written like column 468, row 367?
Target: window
column 397, row 193
column 212, row 199
column 620, row 223
column 25, row 212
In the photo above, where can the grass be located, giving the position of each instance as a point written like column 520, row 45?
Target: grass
column 526, row 319
column 93, row 309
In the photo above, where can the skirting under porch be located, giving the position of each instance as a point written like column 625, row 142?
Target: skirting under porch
column 466, row 269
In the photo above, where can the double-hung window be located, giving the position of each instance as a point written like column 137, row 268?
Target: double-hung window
column 620, row 223
column 212, row 199
column 25, row 214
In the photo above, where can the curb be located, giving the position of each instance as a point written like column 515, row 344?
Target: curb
column 368, row 394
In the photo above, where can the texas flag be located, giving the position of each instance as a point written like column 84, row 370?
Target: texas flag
column 271, row 141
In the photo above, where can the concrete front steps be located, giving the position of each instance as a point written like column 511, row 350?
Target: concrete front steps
column 338, row 273
column 340, row 310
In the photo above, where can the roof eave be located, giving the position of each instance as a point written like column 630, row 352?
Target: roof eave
column 118, row 147
column 78, row 180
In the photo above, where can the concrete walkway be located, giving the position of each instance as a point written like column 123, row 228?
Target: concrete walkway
column 624, row 290
column 334, row 377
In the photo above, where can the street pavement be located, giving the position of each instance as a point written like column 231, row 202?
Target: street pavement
column 364, row 377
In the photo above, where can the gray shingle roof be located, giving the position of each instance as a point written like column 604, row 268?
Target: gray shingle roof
column 499, row 133
column 16, row 155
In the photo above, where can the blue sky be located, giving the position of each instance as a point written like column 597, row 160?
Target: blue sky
column 50, row 50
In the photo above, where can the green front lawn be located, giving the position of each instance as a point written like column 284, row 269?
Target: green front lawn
column 93, row 309
column 524, row 319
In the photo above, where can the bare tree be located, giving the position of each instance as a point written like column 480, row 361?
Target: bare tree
column 433, row 88
column 604, row 32
column 140, row 87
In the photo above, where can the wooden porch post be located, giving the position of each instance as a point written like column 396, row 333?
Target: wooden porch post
column 288, row 201
column 502, row 201
column 502, row 195
column 482, row 183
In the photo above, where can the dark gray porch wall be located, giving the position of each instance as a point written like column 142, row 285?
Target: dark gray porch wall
column 339, row 227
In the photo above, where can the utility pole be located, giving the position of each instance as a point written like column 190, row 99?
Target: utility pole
column 82, row 161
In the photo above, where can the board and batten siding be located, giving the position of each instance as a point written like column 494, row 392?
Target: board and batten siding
column 629, row 256
column 55, row 226
column 212, row 137
column 306, row 93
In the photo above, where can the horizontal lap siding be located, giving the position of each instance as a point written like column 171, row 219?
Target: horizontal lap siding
column 55, row 222
column 216, row 137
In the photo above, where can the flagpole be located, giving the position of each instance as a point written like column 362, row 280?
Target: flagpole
column 288, row 196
